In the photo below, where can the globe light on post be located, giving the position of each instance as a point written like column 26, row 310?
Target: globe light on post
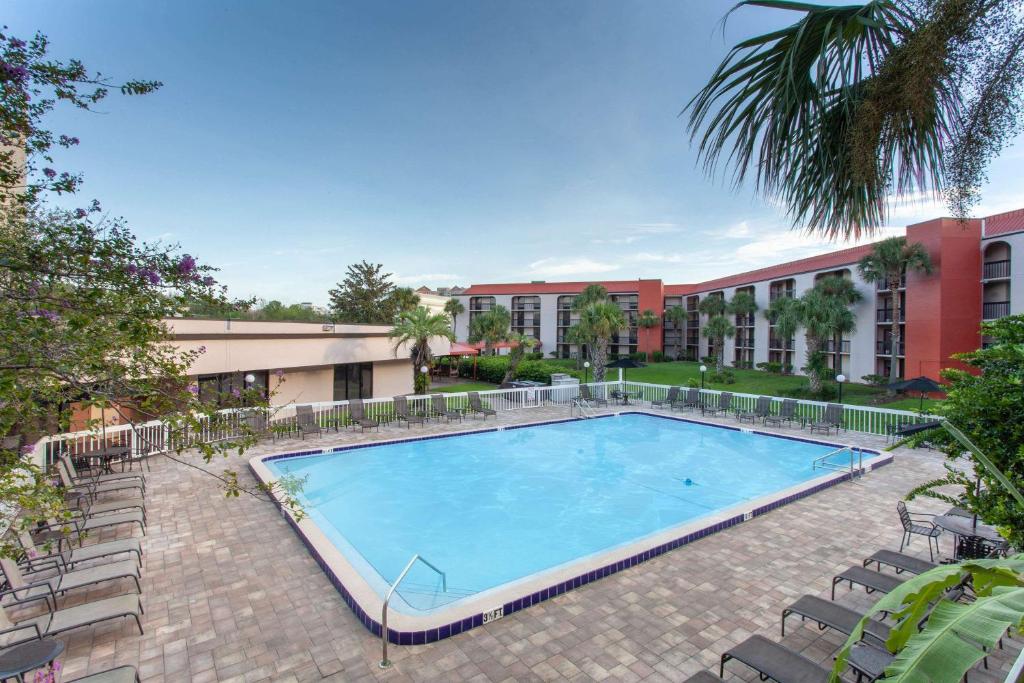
column 839, row 380
column 250, row 378
column 703, row 370
column 586, row 372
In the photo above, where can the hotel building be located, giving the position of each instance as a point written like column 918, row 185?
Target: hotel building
column 979, row 275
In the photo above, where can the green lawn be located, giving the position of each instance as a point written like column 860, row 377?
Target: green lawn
column 460, row 387
column 747, row 382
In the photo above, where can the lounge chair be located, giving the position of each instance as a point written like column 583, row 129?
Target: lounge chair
column 913, row 525
column 703, row 677
column 121, row 674
column 402, row 412
column 85, row 523
column 440, row 407
column 762, row 409
column 774, row 661
column 670, row 398
column 306, row 421
column 862, row 576
column 88, row 506
column 587, row 396
column 95, row 488
column 831, row 615
column 832, row 419
column 691, row 400
column 357, row 413
column 61, row 620
column 723, row 405
column 78, row 478
column 69, row 558
column 900, row 562
column 27, row 588
column 477, row 407
column 787, row 413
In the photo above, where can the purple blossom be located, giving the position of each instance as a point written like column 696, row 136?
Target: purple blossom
column 13, row 72
column 68, row 141
column 16, row 43
column 81, row 213
column 95, row 206
column 132, row 269
column 27, row 449
column 186, row 265
column 49, row 173
column 279, row 373
column 43, row 313
column 209, row 281
column 193, row 389
column 151, row 275
column 202, row 349
column 236, row 393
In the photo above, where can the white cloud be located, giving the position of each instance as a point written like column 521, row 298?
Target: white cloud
column 648, row 257
column 617, row 240
column 559, row 267
column 427, row 277
column 741, row 229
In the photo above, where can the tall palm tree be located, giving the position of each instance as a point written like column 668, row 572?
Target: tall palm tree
column 404, row 299
column 591, row 294
column 454, row 308
column 416, row 328
column 887, row 263
column 717, row 327
column 825, row 315
column 786, row 315
column 521, row 344
column 842, row 294
column 648, row 320
column 576, row 336
column 854, row 104
column 598, row 322
column 677, row 316
column 491, row 327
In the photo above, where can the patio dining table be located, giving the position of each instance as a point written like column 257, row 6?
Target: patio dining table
column 626, row 395
column 964, row 527
column 105, row 456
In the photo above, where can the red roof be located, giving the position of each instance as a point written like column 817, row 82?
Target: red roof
column 460, row 349
column 1004, row 223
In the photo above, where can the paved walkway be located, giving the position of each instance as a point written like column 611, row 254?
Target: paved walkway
column 231, row 594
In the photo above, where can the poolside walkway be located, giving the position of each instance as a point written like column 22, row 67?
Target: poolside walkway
column 231, row 594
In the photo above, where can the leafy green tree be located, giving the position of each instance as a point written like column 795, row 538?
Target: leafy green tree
column 403, row 299
column 887, row 263
column 825, row 316
column 854, row 104
column 677, row 316
column 454, row 308
column 491, row 327
column 576, row 336
column 599, row 321
column 364, row 296
column 416, row 328
column 717, row 327
column 785, row 314
column 648, row 320
column 275, row 310
column 521, row 344
column 841, row 293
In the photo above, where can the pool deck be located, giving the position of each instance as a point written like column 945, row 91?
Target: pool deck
column 231, row 593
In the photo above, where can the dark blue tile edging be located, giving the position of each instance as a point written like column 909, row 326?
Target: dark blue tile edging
column 457, row 627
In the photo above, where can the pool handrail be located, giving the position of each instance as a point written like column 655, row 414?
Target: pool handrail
column 384, row 661
column 823, row 463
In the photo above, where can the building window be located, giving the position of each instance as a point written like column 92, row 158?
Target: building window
column 625, row 341
column 526, row 316
column 692, row 328
column 780, row 350
column 478, row 305
column 995, row 276
column 221, row 389
column 673, row 332
column 565, row 318
column 353, row 380
column 744, row 340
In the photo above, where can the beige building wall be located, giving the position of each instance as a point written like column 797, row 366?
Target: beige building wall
column 392, row 378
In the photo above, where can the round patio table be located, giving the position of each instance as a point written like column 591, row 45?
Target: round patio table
column 626, row 395
column 964, row 526
column 15, row 662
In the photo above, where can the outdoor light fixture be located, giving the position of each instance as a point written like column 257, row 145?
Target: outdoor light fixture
column 586, row 372
column 703, row 369
column 840, row 379
column 250, row 378
column 424, row 369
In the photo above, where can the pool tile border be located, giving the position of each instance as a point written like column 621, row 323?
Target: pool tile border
column 511, row 607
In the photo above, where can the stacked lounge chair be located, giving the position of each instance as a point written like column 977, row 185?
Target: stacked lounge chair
column 670, row 399
column 403, row 414
column 440, row 407
column 357, row 414
column 477, row 407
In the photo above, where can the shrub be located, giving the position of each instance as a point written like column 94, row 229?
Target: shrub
column 709, row 360
column 693, row 383
column 876, row 380
column 639, row 356
column 658, row 357
column 742, row 364
column 787, row 369
column 773, row 367
column 723, row 377
column 828, row 393
column 492, row 369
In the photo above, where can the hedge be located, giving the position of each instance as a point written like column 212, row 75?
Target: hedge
column 492, row 369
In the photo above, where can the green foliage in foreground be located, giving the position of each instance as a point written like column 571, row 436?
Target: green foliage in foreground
column 492, row 369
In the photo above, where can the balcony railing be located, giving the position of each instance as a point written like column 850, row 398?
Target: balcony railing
column 776, row 344
column 996, row 270
column 883, row 285
column 884, row 348
column 780, row 294
column 884, row 315
column 745, row 320
column 993, row 310
column 844, row 346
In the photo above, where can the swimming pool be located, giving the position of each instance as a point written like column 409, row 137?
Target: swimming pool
column 504, row 511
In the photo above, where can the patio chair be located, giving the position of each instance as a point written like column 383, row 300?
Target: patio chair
column 33, row 586
column 78, row 478
column 862, row 576
column 477, row 407
column 357, row 413
column 691, row 400
column 832, row 419
column 69, row 558
column 82, row 524
column 787, row 413
column 774, row 661
column 670, row 398
column 724, row 402
column 402, row 413
column 914, row 525
column 589, row 397
column 439, row 405
column 831, row 615
column 93, row 488
column 121, row 674
column 762, row 409
column 88, row 506
column 898, row 561
column 69, row 618
column 306, row 421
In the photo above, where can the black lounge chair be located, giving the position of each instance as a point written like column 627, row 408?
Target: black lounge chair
column 692, row 399
column 899, row 561
column 440, row 407
column 762, row 409
column 831, row 615
column 357, row 413
column 670, row 398
column 306, row 421
column 832, row 419
column 723, row 405
column 787, row 413
column 862, row 576
column 774, row 661
column 587, row 396
column 699, row 677
column 477, row 407
column 913, row 525
column 897, row 432
column 403, row 414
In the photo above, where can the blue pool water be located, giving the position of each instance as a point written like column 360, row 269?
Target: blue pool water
column 494, row 507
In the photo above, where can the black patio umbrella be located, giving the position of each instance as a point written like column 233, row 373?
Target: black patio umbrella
column 625, row 363
column 925, row 385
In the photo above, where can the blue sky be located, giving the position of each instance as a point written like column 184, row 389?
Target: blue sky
column 454, row 142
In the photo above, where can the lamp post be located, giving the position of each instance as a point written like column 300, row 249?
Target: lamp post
column 839, row 380
column 426, row 380
column 586, row 372
column 703, row 369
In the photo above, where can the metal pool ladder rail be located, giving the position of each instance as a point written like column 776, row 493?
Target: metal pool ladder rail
column 584, row 407
column 384, row 661
column 854, row 470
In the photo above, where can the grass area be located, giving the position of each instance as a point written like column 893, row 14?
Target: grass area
column 747, row 382
column 460, row 387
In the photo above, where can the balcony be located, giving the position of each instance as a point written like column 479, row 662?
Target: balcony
column 781, row 294
column 884, row 315
column 776, row 344
column 884, row 286
column 996, row 270
column 884, row 348
column 994, row 310
column 745, row 320
column 844, row 346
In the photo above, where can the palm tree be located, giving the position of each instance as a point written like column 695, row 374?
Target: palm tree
column 598, row 322
column 648, row 320
column 521, row 344
column 825, row 315
column 855, row 104
column 404, row 299
column 842, row 294
column 786, row 315
column 887, row 263
column 491, row 327
column 416, row 328
column 591, row 294
column 677, row 316
column 575, row 335
column 714, row 307
column 454, row 308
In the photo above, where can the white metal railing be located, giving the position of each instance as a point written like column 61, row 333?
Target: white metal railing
column 385, row 663
column 824, row 463
column 156, row 437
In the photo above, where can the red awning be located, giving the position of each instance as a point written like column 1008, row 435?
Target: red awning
column 459, row 349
